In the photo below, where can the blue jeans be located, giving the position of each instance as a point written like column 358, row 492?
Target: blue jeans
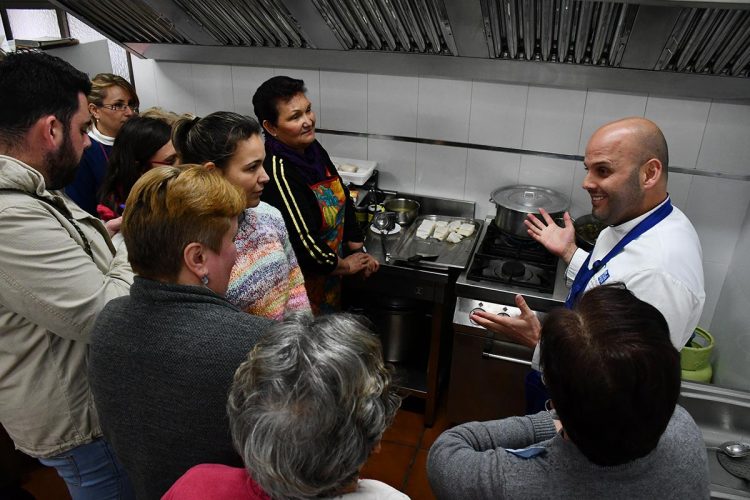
column 92, row 472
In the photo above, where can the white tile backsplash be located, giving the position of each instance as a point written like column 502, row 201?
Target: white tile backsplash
column 605, row 107
column 725, row 142
column 392, row 105
column 174, row 86
column 443, row 109
column 717, row 209
column 487, row 171
column 343, row 101
column 497, row 114
column 678, row 186
column 441, row 171
column 397, row 163
column 548, row 173
column 341, row 145
column 714, row 275
column 145, row 81
column 245, row 81
column 682, row 121
column 553, row 120
column 213, row 88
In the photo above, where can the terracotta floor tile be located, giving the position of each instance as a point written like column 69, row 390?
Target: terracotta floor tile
column 406, row 428
column 441, row 424
column 431, row 433
column 417, row 486
column 45, row 484
column 390, row 465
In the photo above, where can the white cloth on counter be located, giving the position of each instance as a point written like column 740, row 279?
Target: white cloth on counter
column 663, row 267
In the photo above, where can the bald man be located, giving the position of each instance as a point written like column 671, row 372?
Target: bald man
column 649, row 245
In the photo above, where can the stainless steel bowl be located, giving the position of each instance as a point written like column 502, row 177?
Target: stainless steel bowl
column 406, row 210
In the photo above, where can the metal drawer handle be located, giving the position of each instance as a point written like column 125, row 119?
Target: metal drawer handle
column 506, row 358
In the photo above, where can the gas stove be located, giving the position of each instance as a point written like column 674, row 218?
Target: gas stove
column 504, row 265
column 488, row 369
column 509, row 260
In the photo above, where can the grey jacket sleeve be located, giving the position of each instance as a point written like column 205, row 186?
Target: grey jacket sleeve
column 469, row 460
column 48, row 278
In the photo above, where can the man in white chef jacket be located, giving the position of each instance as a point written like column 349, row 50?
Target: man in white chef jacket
column 649, row 245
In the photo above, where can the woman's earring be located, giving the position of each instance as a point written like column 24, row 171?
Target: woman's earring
column 204, row 279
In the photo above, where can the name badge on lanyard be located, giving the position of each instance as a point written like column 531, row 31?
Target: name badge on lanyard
column 604, row 277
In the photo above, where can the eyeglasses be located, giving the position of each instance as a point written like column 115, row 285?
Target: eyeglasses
column 120, row 107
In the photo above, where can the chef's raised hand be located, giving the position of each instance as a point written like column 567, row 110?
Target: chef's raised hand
column 561, row 241
column 525, row 328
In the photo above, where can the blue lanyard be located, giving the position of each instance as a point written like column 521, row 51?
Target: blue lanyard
column 585, row 274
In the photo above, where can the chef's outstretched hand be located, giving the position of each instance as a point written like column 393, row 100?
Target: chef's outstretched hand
column 525, row 328
column 561, row 241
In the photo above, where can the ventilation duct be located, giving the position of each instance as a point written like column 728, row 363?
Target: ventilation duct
column 681, row 48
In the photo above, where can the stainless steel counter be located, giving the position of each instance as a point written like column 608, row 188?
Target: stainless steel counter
column 434, row 288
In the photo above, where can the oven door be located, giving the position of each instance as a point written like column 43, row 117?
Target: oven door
column 488, row 374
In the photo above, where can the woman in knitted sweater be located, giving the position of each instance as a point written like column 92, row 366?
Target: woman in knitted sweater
column 266, row 279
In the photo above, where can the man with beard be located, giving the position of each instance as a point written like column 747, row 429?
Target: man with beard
column 58, row 268
column 649, row 245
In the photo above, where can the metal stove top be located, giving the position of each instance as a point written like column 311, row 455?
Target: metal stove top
column 500, row 269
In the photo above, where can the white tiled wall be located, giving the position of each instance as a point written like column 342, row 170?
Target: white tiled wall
column 710, row 136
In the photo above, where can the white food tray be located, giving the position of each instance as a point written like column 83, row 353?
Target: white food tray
column 364, row 169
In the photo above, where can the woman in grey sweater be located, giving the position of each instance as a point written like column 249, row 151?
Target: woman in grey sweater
column 162, row 359
column 614, row 378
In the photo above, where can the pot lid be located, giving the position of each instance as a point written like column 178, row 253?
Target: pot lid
column 529, row 199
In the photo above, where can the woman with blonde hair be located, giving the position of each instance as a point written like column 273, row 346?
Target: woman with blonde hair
column 161, row 359
column 112, row 102
column 266, row 280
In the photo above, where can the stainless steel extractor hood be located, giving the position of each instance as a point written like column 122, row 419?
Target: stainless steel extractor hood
column 673, row 48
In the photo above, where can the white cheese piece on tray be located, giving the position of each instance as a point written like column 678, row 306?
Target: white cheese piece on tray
column 454, row 237
column 454, row 225
column 425, row 229
column 440, row 232
column 465, row 229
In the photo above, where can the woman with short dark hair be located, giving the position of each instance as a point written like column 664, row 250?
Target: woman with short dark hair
column 306, row 188
column 306, row 409
column 613, row 429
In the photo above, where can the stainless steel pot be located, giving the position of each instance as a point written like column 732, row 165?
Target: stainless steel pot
column 514, row 203
column 406, row 210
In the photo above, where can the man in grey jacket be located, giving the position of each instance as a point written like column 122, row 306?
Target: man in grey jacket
column 58, row 268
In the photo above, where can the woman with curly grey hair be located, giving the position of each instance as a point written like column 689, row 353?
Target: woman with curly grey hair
column 306, row 410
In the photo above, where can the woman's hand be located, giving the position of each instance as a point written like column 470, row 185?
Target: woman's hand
column 352, row 264
column 558, row 240
column 372, row 266
column 113, row 226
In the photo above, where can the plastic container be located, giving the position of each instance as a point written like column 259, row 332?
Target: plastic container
column 702, row 375
column 365, row 169
column 696, row 355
